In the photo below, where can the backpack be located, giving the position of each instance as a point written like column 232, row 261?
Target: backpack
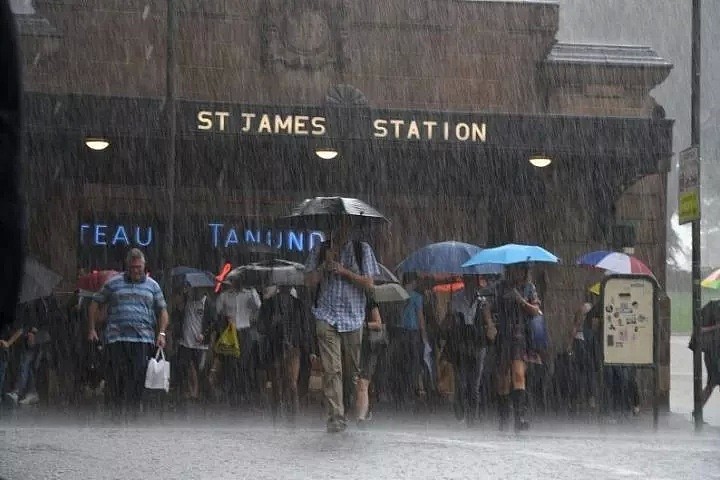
column 467, row 338
column 324, row 247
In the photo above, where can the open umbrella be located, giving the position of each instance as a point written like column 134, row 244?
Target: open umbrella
column 385, row 276
column 199, row 280
column 712, row 280
column 38, row 281
column 446, row 257
column 510, row 254
column 615, row 262
column 272, row 272
column 324, row 213
column 93, row 281
column 390, row 292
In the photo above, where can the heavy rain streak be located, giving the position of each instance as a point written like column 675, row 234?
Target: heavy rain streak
column 359, row 239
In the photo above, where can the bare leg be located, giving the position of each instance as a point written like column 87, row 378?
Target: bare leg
column 518, row 374
column 193, row 381
column 362, row 401
column 291, row 375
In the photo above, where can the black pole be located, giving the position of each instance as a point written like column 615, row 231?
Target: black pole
column 170, row 109
column 695, row 141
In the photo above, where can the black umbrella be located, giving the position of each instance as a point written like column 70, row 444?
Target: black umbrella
column 38, row 281
column 324, row 213
column 273, row 272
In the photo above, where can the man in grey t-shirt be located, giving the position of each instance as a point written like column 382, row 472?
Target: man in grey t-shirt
column 198, row 313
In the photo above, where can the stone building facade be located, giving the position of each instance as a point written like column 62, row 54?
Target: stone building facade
column 435, row 107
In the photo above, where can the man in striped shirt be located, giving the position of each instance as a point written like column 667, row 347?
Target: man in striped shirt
column 137, row 319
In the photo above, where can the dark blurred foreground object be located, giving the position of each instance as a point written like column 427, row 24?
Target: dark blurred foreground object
column 38, row 281
column 11, row 223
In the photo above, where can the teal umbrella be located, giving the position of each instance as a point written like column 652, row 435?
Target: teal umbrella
column 510, row 254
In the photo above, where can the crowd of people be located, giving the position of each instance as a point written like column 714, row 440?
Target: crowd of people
column 260, row 345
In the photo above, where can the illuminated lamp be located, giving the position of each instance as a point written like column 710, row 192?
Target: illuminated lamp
column 540, row 161
column 96, row 143
column 326, row 153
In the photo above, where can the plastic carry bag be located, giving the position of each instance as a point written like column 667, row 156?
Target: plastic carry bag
column 157, row 376
column 228, row 343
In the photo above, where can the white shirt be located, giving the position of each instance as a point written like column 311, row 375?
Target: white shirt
column 240, row 305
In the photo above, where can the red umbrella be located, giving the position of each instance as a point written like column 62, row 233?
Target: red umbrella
column 95, row 280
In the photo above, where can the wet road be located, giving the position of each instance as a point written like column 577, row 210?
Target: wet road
column 233, row 447
column 220, row 445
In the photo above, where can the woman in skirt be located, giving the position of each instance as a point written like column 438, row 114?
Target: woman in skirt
column 506, row 317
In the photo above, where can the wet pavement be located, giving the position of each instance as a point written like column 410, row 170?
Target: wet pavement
column 233, row 446
column 218, row 444
column 681, row 392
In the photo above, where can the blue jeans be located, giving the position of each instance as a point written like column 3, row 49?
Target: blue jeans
column 26, row 375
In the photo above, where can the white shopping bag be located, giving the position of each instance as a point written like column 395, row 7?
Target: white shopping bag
column 157, row 376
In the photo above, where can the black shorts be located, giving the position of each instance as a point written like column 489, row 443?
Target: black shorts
column 368, row 360
column 191, row 356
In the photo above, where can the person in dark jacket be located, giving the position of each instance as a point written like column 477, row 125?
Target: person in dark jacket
column 515, row 300
column 466, row 346
column 373, row 344
column 289, row 331
column 709, row 344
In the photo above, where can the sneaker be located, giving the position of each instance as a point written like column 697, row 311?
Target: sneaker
column 30, row 399
column 362, row 423
column 13, row 397
column 336, row 425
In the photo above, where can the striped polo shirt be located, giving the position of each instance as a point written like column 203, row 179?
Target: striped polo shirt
column 132, row 309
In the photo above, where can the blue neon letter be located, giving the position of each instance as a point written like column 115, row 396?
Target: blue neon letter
column 120, row 236
column 100, row 234
column 215, row 233
column 232, row 238
column 148, row 237
column 83, row 227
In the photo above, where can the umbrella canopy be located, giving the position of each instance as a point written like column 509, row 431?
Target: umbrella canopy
column 38, row 281
column 272, row 272
column 199, row 280
column 446, row 257
column 510, row 254
column 324, row 213
column 94, row 281
column 385, row 276
column 615, row 262
column 712, row 280
column 390, row 292
column 183, row 270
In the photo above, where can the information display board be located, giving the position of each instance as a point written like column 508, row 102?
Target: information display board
column 628, row 320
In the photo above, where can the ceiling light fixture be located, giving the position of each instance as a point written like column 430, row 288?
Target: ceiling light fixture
column 540, row 161
column 326, row 153
column 96, row 143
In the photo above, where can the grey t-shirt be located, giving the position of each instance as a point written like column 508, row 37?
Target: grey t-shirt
column 193, row 323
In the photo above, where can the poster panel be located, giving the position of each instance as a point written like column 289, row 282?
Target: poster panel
column 628, row 326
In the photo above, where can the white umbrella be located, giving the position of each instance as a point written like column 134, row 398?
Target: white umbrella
column 390, row 292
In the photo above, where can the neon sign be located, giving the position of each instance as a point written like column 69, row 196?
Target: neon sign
column 107, row 235
column 222, row 235
column 292, row 240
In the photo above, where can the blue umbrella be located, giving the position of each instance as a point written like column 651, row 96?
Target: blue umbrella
column 511, row 253
column 446, row 257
